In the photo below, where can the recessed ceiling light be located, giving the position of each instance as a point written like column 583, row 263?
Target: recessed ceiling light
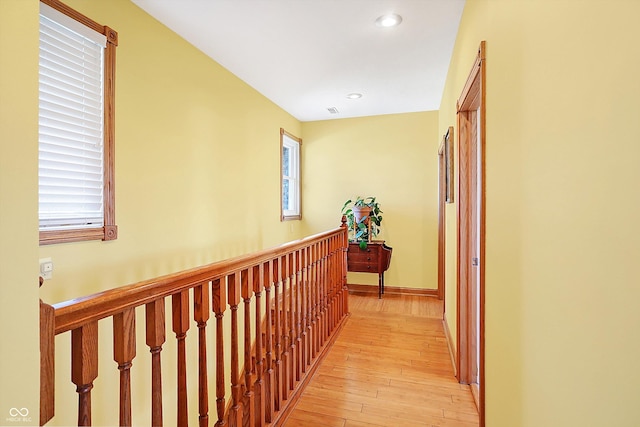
column 354, row 95
column 389, row 20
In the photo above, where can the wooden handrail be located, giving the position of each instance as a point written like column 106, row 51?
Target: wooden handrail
column 73, row 313
column 298, row 295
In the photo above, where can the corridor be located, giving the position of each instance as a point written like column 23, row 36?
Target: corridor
column 390, row 366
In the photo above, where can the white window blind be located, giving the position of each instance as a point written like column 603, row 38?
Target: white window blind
column 71, row 120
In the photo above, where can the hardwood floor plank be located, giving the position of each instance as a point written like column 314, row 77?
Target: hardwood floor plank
column 339, row 404
column 460, row 416
column 338, row 395
column 345, row 386
column 403, row 411
column 371, row 377
column 305, row 418
column 390, row 366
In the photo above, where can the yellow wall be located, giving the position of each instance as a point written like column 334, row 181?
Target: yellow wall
column 562, row 282
column 197, row 150
column 19, row 357
column 197, row 165
column 197, row 180
column 194, row 145
column 392, row 157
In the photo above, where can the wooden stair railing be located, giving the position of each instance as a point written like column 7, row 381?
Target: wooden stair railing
column 298, row 295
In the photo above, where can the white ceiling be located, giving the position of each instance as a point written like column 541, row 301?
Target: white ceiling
column 307, row 55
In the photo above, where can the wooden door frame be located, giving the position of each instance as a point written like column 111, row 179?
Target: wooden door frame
column 442, row 196
column 471, row 100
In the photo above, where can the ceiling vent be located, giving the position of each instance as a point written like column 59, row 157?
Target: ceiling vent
column 333, row 110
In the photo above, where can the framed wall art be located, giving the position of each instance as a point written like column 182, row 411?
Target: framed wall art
column 447, row 143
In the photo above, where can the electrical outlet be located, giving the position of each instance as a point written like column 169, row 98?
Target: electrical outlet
column 46, row 268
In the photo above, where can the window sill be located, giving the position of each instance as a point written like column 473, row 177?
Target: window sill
column 109, row 232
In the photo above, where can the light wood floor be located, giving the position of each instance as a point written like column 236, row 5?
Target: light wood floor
column 390, row 366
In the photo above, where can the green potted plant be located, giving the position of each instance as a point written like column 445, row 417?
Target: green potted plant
column 363, row 219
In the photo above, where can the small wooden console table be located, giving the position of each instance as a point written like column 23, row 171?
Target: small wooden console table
column 374, row 259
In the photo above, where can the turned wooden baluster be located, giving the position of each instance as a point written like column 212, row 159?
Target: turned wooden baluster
column 344, row 243
column 339, row 276
column 319, row 285
column 201, row 316
column 329, row 289
column 219, row 302
column 315, row 289
column 332, row 287
column 310, row 305
column 298, row 281
column 306, row 310
column 235, row 413
column 257, row 281
column 291, row 366
column 285, row 278
column 154, row 312
column 340, row 301
column 324, row 293
column 277, row 386
column 246, row 290
column 84, row 367
column 311, row 298
column 334, row 302
column 124, row 351
column 331, row 295
column 180, row 317
column 318, row 309
column 269, row 382
column 292, row 320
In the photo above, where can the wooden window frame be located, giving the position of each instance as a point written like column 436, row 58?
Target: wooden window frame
column 109, row 231
column 298, row 216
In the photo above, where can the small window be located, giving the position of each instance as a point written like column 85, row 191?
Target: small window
column 290, row 166
column 76, row 127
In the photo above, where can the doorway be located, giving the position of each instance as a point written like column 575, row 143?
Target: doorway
column 471, row 231
column 443, row 186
